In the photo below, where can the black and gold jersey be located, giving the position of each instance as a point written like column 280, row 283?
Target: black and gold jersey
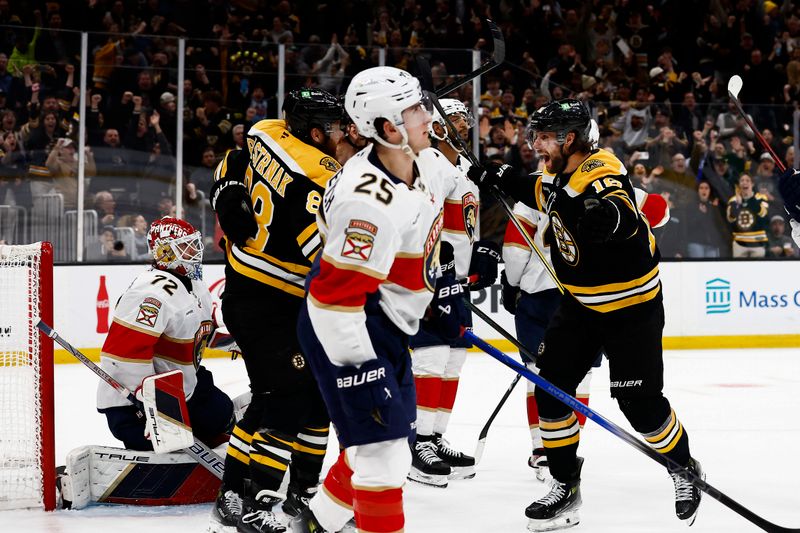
column 604, row 276
column 286, row 179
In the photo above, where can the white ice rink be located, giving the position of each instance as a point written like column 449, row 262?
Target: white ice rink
column 740, row 408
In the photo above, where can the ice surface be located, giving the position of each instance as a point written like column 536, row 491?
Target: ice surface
column 740, row 408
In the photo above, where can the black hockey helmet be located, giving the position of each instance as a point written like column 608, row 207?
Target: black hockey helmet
column 305, row 109
column 561, row 117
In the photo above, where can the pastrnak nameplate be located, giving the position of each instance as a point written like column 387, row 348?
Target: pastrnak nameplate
column 359, row 240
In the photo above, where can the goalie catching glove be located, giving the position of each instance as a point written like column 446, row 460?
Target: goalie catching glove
column 231, row 200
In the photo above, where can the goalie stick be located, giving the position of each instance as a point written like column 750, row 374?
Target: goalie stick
column 617, row 431
column 204, row 455
column 735, row 85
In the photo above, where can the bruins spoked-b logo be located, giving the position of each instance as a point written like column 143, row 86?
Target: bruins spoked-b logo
column 469, row 206
column 566, row 244
column 298, row 361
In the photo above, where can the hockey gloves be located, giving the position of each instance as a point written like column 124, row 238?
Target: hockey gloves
column 483, row 264
column 447, row 310
column 231, row 200
column 599, row 221
column 510, row 295
column 789, row 187
column 488, row 177
column 367, row 392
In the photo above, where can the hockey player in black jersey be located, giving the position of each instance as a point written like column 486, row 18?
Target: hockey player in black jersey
column 266, row 197
column 606, row 257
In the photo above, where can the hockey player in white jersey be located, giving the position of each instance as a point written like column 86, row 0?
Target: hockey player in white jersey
column 436, row 361
column 381, row 220
column 162, row 322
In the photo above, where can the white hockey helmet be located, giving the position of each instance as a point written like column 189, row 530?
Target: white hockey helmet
column 382, row 92
column 450, row 106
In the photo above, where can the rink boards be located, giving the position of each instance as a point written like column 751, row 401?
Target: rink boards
column 724, row 304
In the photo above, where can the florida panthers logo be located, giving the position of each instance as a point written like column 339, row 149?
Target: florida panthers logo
column 566, row 244
column 469, row 205
column 201, row 337
column 431, row 258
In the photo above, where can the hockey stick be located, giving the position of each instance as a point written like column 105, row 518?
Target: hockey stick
column 485, row 429
column 199, row 451
column 734, row 87
column 498, row 56
column 585, row 410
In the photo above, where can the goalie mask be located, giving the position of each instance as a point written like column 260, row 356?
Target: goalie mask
column 176, row 246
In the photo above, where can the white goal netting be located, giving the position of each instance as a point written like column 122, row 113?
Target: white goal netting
column 21, row 417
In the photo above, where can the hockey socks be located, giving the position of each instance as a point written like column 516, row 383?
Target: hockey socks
column 378, row 510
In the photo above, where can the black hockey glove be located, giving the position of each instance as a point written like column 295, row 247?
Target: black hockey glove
column 367, row 392
column 789, row 187
column 488, row 177
column 447, row 311
column 599, row 221
column 231, row 200
column 510, row 295
column 485, row 257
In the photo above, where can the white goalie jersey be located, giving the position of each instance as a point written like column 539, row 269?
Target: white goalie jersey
column 158, row 326
column 380, row 236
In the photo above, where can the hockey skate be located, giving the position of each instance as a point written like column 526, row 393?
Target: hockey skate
column 462, row 466
column 687, row 496
column 226, row 512
column 297, row 501
column 306, row 522
column 426, row 466
column 558, row 509
column 538, row 461
column 257, row 514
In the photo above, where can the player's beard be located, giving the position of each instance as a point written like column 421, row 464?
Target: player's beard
column 557, row 162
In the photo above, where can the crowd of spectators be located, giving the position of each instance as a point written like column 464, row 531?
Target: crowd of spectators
column 653, row 76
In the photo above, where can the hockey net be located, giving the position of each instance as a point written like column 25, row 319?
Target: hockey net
column 27, row 470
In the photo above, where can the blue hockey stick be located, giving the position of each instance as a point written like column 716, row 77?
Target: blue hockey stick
column 607, row 424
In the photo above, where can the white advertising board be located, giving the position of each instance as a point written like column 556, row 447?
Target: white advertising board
column 726, row 299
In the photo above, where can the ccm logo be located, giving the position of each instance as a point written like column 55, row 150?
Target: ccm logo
column 360, row 379
column 488, row 251
column 631, row 383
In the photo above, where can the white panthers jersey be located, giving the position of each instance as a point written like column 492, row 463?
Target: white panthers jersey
column 461, row 217
column 158, row 326
column 523, row 267
column 380, row 235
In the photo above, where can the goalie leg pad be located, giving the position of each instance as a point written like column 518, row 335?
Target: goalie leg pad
column 167, row 415
column 114, row 475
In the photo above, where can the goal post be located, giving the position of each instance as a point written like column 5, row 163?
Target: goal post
column 27, row 427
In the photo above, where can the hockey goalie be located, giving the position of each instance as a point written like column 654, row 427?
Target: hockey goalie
column 161, row 325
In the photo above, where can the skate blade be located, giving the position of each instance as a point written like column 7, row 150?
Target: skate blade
column 689, row 521
column 562, row 521
column 438, row 481
column 461, row 472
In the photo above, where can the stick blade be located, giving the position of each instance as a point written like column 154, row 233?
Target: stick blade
column 735, row 86
column 425, row 73
column 499, row 51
